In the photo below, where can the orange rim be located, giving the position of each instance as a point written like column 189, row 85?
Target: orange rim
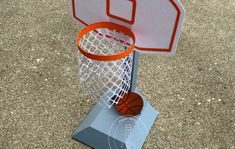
column 111, row 26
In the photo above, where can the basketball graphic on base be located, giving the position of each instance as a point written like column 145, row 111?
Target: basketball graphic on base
column 130, row 105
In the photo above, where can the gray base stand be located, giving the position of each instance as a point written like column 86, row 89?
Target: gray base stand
column 104, row 128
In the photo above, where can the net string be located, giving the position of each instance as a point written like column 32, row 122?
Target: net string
column 108, row 80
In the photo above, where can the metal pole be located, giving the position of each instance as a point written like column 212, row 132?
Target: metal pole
column 136, row 56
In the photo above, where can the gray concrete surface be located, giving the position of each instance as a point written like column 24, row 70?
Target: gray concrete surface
column 41, row 103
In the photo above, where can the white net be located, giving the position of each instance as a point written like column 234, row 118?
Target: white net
column 107, row 79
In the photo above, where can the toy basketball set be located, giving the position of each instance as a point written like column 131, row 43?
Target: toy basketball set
column 115, row 33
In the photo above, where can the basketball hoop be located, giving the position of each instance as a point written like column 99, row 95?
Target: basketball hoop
column 106, row 61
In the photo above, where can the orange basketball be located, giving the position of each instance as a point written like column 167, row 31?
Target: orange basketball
column 130, row 105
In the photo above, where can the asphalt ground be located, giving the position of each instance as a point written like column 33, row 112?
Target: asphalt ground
column 41, row 104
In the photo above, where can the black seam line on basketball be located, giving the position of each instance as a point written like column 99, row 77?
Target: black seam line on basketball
column 124, row 106
column 131, row 111
column 132, row 100
column 123, row 109
column 120, row 103
column 125, row 103
column 129, row 108
column 137, row 106
column 126, row 98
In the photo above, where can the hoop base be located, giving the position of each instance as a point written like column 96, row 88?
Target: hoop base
column 104, row 128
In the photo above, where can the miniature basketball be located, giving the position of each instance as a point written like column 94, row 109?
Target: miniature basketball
column 130, row 105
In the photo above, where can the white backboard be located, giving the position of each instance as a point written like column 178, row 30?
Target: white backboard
column 157, row 24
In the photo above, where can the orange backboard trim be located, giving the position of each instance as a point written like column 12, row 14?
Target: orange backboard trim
column 132, row 21
column 74, row 13
column 169, row 49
